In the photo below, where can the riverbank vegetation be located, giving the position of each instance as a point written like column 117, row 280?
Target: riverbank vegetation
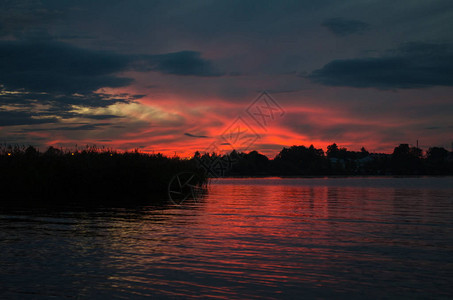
column 94, row 175
column 90, row 175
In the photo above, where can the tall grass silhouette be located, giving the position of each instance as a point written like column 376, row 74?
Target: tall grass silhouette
column 91, row 175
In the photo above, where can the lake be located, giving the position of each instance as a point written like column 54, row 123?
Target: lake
column 267, row 238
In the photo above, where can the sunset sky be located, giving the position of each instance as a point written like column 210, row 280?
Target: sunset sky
column 180, row 76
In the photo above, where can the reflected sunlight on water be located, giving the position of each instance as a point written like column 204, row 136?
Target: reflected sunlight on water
column 247, row 238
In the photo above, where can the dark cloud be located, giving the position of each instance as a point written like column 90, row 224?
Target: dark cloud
column 82, row 127
column 186, row 63
column 58, row 104
column 13, row 118
column 196, row 136
column 58, row 67
column 414, row 65
column 89, row 99
column 76, row 127
column 344, row 27
column 25, row 17
column 100, row 117
column 26, row 108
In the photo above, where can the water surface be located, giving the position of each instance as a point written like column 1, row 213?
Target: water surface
column 246, row 238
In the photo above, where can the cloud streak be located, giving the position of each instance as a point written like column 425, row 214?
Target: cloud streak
column 414, row 65
column 343, row 27
column 186, row 63
column 196, row 136
column 14, row 118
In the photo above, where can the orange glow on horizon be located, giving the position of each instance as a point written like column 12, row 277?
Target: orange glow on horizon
column 173, row 125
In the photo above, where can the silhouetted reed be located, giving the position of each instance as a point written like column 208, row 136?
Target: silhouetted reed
column 91, row 175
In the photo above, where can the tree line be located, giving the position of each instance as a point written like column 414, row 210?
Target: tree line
column 311, row 161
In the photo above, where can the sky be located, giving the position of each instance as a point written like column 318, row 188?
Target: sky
column 179, row 76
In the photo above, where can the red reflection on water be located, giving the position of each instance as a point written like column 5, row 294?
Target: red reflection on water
column 279, row 239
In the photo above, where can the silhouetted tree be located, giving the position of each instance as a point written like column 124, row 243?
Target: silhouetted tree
column 364, row 152
column 31, row 151
column 407, row 160
column 197, row 154
column 437, row 162
column 51, row 151
column 437, row 154
column 250, row 164
column 300, row 160
column 332, row 150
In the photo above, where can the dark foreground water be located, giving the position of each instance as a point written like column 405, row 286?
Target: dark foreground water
column 246, row 238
